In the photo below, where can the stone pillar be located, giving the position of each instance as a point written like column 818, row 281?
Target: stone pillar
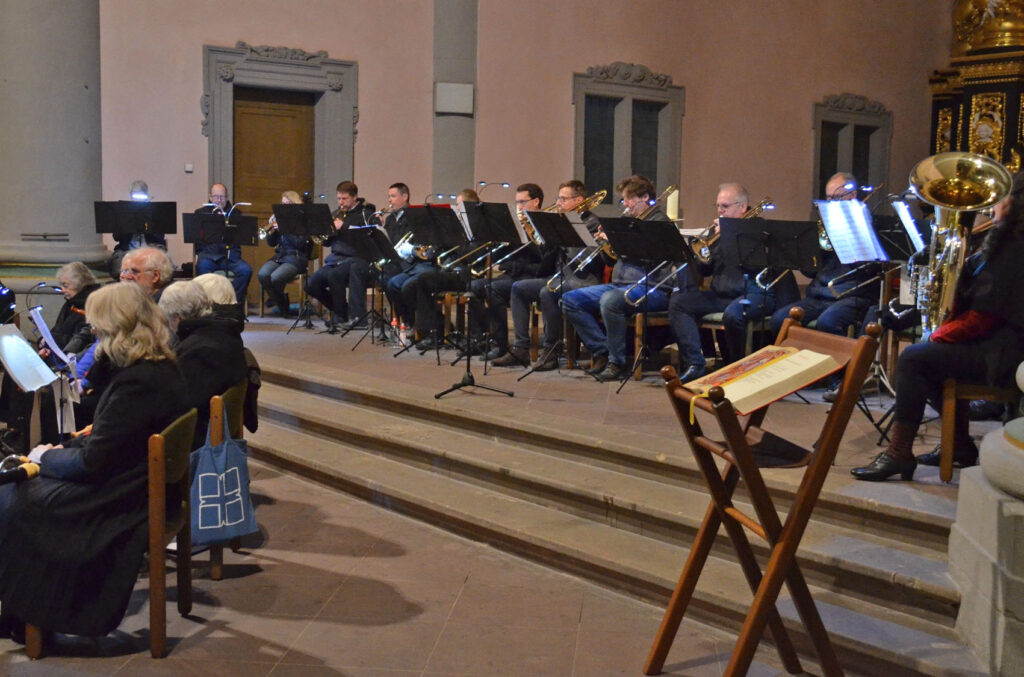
column 455, row 24
column 986, row 552
column 50, row 156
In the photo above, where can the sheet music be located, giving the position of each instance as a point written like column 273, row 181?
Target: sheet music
column 460, row 213
column 523, row 239
column 848, row 224
column 21, row 361
column 37, row 318
column 580, row 226
column 907, row 219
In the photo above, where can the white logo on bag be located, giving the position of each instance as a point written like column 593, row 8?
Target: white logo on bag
column 220, row 499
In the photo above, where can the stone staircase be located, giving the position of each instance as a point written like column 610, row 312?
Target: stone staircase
column 610, row 508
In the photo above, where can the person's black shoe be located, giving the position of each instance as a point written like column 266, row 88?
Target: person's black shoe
column 429, row 343
column 885, row 466
column 613, row 372
column 965, row 454
column 694, row 371
column 984, row 410
column 355, row 325
column 598, row 365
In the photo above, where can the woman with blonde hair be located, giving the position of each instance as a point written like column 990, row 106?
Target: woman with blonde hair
column 291, row 256
column 72, row 539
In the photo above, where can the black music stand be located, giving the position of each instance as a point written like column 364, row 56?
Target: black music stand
column 366, row 241
column 488, row 222
column 440, row 226
column 313, row 221
column 645, row 242
column 555, row 229
column 130, row 217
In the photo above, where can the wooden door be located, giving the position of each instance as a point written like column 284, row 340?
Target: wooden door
column 273, row 152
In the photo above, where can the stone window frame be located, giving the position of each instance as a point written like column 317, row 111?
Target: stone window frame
column 334, row 83
column 852, row 110
column 627, row 81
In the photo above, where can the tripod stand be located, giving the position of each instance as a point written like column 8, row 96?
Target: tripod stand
column 467, row 378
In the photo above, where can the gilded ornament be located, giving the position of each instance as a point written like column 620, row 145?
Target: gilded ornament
column 987, row 125
column 944, row 131
column 1014, row 164
column 1001, row 23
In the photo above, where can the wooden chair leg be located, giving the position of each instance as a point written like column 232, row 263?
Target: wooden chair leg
column 948, row 430
column 183, row 562
column 216, row 562
column 158, row 597
column 33, row 641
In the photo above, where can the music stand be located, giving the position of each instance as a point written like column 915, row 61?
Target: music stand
column 123, row 218
column 369, row 248
column 312, row 221
column 440, row 226
column 66, row 370
column 28, row 370
column 645, row 242
column 217, row 229
column 557, row 230
column 488, row 222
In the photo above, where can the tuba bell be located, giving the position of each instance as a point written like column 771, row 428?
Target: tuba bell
column 953, row 183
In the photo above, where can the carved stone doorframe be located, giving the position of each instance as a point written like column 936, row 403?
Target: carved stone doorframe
column 334, row 83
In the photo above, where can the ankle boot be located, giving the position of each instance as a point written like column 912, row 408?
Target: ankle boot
column 897, row 458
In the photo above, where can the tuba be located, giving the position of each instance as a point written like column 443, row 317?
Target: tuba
column 953, row 183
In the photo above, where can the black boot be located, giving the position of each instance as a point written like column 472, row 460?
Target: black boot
column 897, row 458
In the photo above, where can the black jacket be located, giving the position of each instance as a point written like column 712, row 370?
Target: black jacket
column 360, row 215
column 70, row 320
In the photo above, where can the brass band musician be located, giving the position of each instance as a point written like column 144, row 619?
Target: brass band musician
column 291, row 257
column 582, row 306
column 736, row 295
column 343, row 271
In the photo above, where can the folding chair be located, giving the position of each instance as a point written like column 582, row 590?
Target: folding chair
column 229, row 404
column 746, row 448
column 168, row 466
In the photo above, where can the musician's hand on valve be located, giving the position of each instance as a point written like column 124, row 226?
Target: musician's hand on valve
column 338, row 223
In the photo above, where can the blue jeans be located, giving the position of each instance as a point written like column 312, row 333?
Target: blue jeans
column 582, row 306
column 273, row 276
column 241, row 270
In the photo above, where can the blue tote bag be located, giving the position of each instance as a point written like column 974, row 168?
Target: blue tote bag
column 221, row 505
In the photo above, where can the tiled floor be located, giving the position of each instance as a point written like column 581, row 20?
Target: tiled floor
column 336, row 586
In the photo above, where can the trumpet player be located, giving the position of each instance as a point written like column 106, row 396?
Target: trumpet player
column 834, row 315
column 732, row 293
column 525, row 292
column 343, row 271
column 291, row 257
column 215, row 257
column 583, row 306
column 496, row 286
column 414, row 261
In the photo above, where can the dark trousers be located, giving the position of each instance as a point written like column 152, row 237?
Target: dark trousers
column 535, row 290
column 497, row 293
column 920, row 371
column 421, row 292
column 685, row 309
column 273, row 277
column 834, row 316
column 401, row 291
column 329, row 285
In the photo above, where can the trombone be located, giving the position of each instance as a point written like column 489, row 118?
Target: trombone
column 532, row 237
column 606, row 247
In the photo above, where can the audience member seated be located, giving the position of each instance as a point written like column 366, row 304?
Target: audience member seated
column 210, row 351
column 72, row 539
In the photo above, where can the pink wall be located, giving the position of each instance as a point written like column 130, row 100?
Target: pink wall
column 752, row 72
column 152, row 80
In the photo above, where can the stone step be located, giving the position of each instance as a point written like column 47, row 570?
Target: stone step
column 925, row 522
column 875, row 568
column 869, row 638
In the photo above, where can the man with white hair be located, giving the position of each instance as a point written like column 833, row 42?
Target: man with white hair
column 149, row 268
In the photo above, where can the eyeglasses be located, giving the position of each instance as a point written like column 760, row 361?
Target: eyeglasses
column 725, row 205
column 523, row 202
column 132, row 273
column 842, row 194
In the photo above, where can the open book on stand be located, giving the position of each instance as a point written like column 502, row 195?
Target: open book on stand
column 766, row 375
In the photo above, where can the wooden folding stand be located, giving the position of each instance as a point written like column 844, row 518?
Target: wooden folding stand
column 747, row 448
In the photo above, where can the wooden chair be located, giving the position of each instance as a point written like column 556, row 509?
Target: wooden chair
column 951, row 392
column 229, row 404
column 745, row 449
column 168, row 466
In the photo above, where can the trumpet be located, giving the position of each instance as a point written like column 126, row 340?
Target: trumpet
column 271, row 225
column 701, row 245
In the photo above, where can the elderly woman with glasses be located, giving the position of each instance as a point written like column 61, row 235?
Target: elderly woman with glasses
column 72, row 538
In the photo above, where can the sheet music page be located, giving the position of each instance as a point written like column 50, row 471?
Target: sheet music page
column 578, row 225
column 523, row 239
column 22, row 362
column 460, row 213
column 907, row 219
column 848, row 224
column 37, row 318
